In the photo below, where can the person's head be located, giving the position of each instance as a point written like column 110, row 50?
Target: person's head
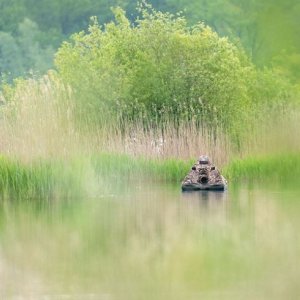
column 204, row 160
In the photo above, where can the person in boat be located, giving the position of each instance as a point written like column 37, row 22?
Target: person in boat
column 204, row 176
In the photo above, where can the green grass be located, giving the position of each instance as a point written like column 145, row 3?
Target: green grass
column 39, row 180
column 46, row 180
column 119, row 165
column 282, row 167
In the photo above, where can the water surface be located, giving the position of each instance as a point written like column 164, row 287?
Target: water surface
column 151, row 241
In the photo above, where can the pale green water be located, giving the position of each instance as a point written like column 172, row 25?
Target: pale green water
column 154, row 242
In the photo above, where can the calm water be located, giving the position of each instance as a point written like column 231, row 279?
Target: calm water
column 154, row 242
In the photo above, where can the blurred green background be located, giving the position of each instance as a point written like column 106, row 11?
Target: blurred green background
column 31, row 31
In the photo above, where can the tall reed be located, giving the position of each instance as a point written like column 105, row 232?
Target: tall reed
column 40, row 180
column 37, row 123
column 274, row 168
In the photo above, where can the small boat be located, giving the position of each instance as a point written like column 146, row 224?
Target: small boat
column 204, row 176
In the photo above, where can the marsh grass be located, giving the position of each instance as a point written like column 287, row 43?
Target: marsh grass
column 126, row 167
column 38, row 122
column 39, row 180
column 51, row 180
column 43, row 145
column 101, row 174
column 282, row 168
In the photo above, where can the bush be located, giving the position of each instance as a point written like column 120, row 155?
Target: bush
column 160, row 68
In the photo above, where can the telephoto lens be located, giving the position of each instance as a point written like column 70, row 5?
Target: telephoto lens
column 204, row 179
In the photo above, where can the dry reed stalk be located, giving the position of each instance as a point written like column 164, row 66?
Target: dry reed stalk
column 39, row 123
column 43, row 127
column 184, row 142
column 277, row 135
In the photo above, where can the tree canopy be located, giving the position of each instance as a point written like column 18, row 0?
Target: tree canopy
column 161, row 66
column 267, row 30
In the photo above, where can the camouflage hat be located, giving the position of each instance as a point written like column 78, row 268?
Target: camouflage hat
column 204, row 160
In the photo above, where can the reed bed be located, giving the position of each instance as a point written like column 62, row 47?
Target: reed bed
column 40, row 137
column 100, row 174
column 38, row 122
column 52, row 180
column 124, row 167
column 40, row 180
column 281, row 167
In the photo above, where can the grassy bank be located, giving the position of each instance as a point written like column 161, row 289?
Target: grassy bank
column 48, row 155
column 281, row 167
column 39, row 180
column 120, row 166
column 49, row 180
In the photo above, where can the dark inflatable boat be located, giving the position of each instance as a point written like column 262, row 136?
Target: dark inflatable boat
column 204, row 176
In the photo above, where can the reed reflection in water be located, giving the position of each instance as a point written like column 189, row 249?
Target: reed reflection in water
column 154, row 242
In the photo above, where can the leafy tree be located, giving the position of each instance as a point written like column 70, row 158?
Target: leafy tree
column 69, row 16
column 233, row 18
column 10, row 56
column 12, row 12
column 22, row 53
column 34, row 56
column 162, row 67
column 268, row 30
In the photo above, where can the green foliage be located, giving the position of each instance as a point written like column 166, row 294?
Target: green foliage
column 48, row 180
column 22, row 53
column 31, row 30
column 236, row 19
column 34, row 56
column 69, row 16
column 10, row 56
column 268, row 30
column 122, row 168
column 40, row 181
column 283, row 168
column 163, row 68
column 12, row 12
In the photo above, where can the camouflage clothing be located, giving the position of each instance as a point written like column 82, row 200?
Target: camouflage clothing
column 204, row 176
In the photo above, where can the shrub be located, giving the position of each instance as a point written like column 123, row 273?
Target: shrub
column 157, row 67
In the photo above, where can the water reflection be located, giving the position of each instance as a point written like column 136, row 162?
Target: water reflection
column 154, row 242
column 204, row 207
column 204, row 198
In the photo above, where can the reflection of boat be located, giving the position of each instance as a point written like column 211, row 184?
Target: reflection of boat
column 204, row 176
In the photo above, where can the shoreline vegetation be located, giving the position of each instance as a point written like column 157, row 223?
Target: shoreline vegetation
column 143, row 102
column 44, row 181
